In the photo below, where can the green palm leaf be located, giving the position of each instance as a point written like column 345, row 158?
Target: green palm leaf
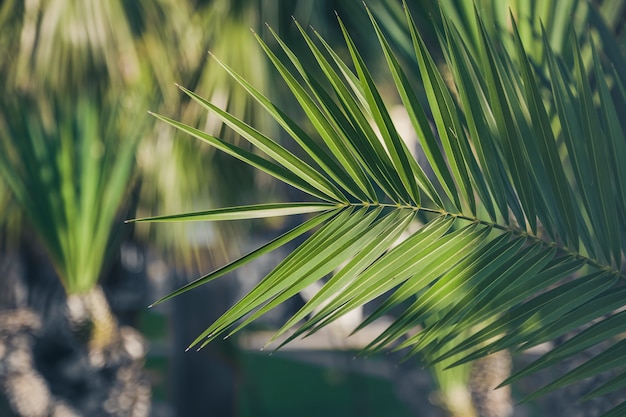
column 69, row 175
column 518, row 204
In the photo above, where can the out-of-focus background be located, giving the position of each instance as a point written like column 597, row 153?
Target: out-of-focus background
column 79, row 154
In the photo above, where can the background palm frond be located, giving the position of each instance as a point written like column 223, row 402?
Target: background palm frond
column 58, row 164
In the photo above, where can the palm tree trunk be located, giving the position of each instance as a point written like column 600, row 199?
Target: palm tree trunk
column 487, row 373
column 113, row 347
column 115, row 362
column 26, row 390
column 91, row 319
column 475, row 395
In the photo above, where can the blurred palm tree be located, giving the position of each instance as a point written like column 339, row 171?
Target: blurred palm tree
column 75, row 139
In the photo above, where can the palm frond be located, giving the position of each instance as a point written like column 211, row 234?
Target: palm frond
column 520, row 228
column 68, row 178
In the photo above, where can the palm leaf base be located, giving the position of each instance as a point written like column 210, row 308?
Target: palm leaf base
column 456, row 402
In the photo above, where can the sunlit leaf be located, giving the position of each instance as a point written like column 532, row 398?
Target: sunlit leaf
column 510, row 236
